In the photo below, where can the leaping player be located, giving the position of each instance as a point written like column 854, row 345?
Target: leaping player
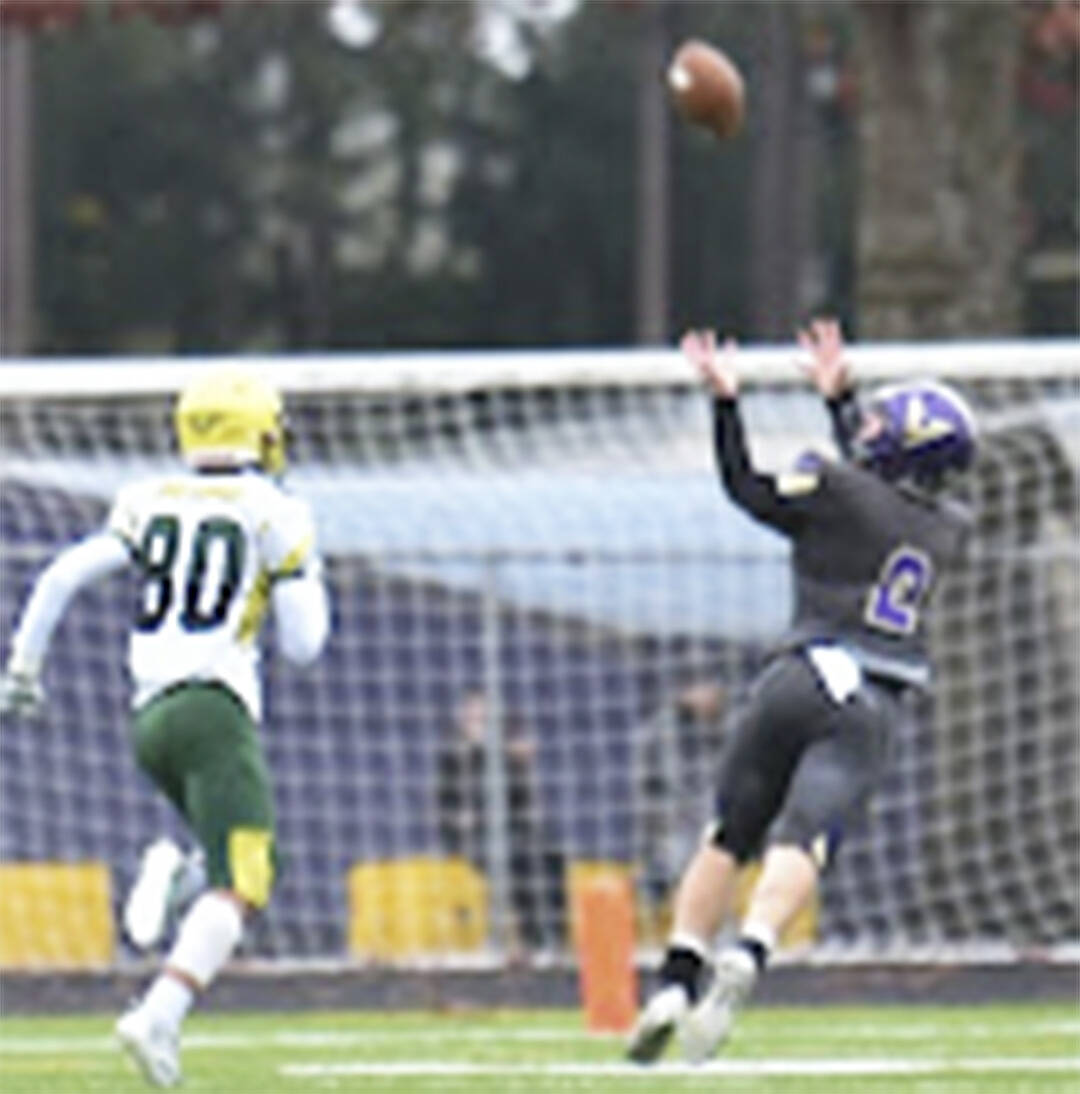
column 870, row 535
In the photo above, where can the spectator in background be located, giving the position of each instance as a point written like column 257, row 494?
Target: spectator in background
column 675, row 754
column 535, row 868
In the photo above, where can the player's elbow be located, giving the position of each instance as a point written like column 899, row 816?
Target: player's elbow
column 303, row 620
column 62, row 580
column 303, row 646
column 81, row 564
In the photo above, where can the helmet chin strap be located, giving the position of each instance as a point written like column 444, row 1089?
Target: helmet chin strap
column 218, row 462
column 273, row 444
column 865, row 455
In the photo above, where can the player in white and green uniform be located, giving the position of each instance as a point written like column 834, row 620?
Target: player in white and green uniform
column 215, row 546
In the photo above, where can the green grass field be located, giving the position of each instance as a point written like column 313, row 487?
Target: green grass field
column 868, row 1050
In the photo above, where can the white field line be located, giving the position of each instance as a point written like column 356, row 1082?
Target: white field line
column 730, row 1068
column 449, row 1037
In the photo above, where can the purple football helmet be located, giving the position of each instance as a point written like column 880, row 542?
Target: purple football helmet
column 919, row 431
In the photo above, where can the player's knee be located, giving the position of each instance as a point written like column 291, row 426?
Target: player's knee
column 731, row 839
column 251, row 865
column 742, row 818
column 820, row 844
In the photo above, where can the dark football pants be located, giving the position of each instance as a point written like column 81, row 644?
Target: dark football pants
column 797, row 765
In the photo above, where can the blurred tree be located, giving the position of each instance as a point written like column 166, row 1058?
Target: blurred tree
column 939, row 243
column 716, row 206
column 555, row 219
column 140, row 178
column 1049, row 101
column 274, row 178
column 547, row 195
column 431, row 174
column 16, row 193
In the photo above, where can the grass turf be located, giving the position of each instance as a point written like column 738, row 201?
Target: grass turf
column 827, row 1050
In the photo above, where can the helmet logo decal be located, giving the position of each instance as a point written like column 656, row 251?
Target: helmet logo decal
column 920, row 426
column 203, row 422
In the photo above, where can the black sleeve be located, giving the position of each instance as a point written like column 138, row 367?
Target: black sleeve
column 845, row 415
column 758, row 494
column 450, row 800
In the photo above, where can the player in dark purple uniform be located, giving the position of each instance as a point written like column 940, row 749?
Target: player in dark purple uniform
column 869, row 535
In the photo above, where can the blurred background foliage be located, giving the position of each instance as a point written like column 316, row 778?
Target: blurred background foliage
column 309, row 175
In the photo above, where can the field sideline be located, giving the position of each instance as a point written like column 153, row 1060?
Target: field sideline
column 827, row 1050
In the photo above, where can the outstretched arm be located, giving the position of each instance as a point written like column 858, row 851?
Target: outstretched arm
column 827, row 368
column 298, row 593
column 758, row 494
column 95, row 557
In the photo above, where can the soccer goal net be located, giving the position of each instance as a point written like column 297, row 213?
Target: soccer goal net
column 543, row 607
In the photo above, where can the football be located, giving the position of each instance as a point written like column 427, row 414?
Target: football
column 707, row 88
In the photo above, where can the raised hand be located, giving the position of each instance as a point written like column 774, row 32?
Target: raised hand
column 825, row 364
column 716, row 369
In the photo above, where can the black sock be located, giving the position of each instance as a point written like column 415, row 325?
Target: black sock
column 682, row 966
column 757, row 950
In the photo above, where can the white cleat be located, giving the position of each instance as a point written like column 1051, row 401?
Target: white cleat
column 147, row 909
column 663, row 1014
column 708, row 1025
column 154, row 1048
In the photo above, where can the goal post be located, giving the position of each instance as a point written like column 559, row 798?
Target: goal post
column 543, row 606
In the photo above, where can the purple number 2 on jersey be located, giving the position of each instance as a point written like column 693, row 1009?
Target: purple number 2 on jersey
column 894, row 602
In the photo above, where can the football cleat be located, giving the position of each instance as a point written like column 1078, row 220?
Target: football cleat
column 146, row 911
column 153, row 1047
column 708, row 1025
column 662, row 1015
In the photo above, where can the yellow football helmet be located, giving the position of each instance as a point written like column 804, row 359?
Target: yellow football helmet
column 231, row 416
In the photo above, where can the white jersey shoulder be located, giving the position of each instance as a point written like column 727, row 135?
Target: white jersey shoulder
column 208, row 548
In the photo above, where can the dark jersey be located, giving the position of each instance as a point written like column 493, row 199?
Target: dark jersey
column 866, row 552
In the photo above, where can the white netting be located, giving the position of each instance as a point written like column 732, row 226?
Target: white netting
column 538, row 543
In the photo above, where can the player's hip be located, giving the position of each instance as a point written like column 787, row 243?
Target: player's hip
column 158, row 670
column 807, row 694
column 196, row 724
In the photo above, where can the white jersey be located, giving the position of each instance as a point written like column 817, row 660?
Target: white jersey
column 209, row 548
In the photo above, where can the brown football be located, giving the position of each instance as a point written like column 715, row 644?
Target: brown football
column 707, row 88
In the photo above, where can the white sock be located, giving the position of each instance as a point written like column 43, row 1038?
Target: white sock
column 208, row 935
column 168, row 1000
column 761, row 933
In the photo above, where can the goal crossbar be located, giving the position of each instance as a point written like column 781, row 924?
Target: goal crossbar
column 458, row 372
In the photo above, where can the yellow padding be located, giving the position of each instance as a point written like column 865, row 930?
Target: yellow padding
column 416, row 905
column 251, row 865
column 55, row 915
